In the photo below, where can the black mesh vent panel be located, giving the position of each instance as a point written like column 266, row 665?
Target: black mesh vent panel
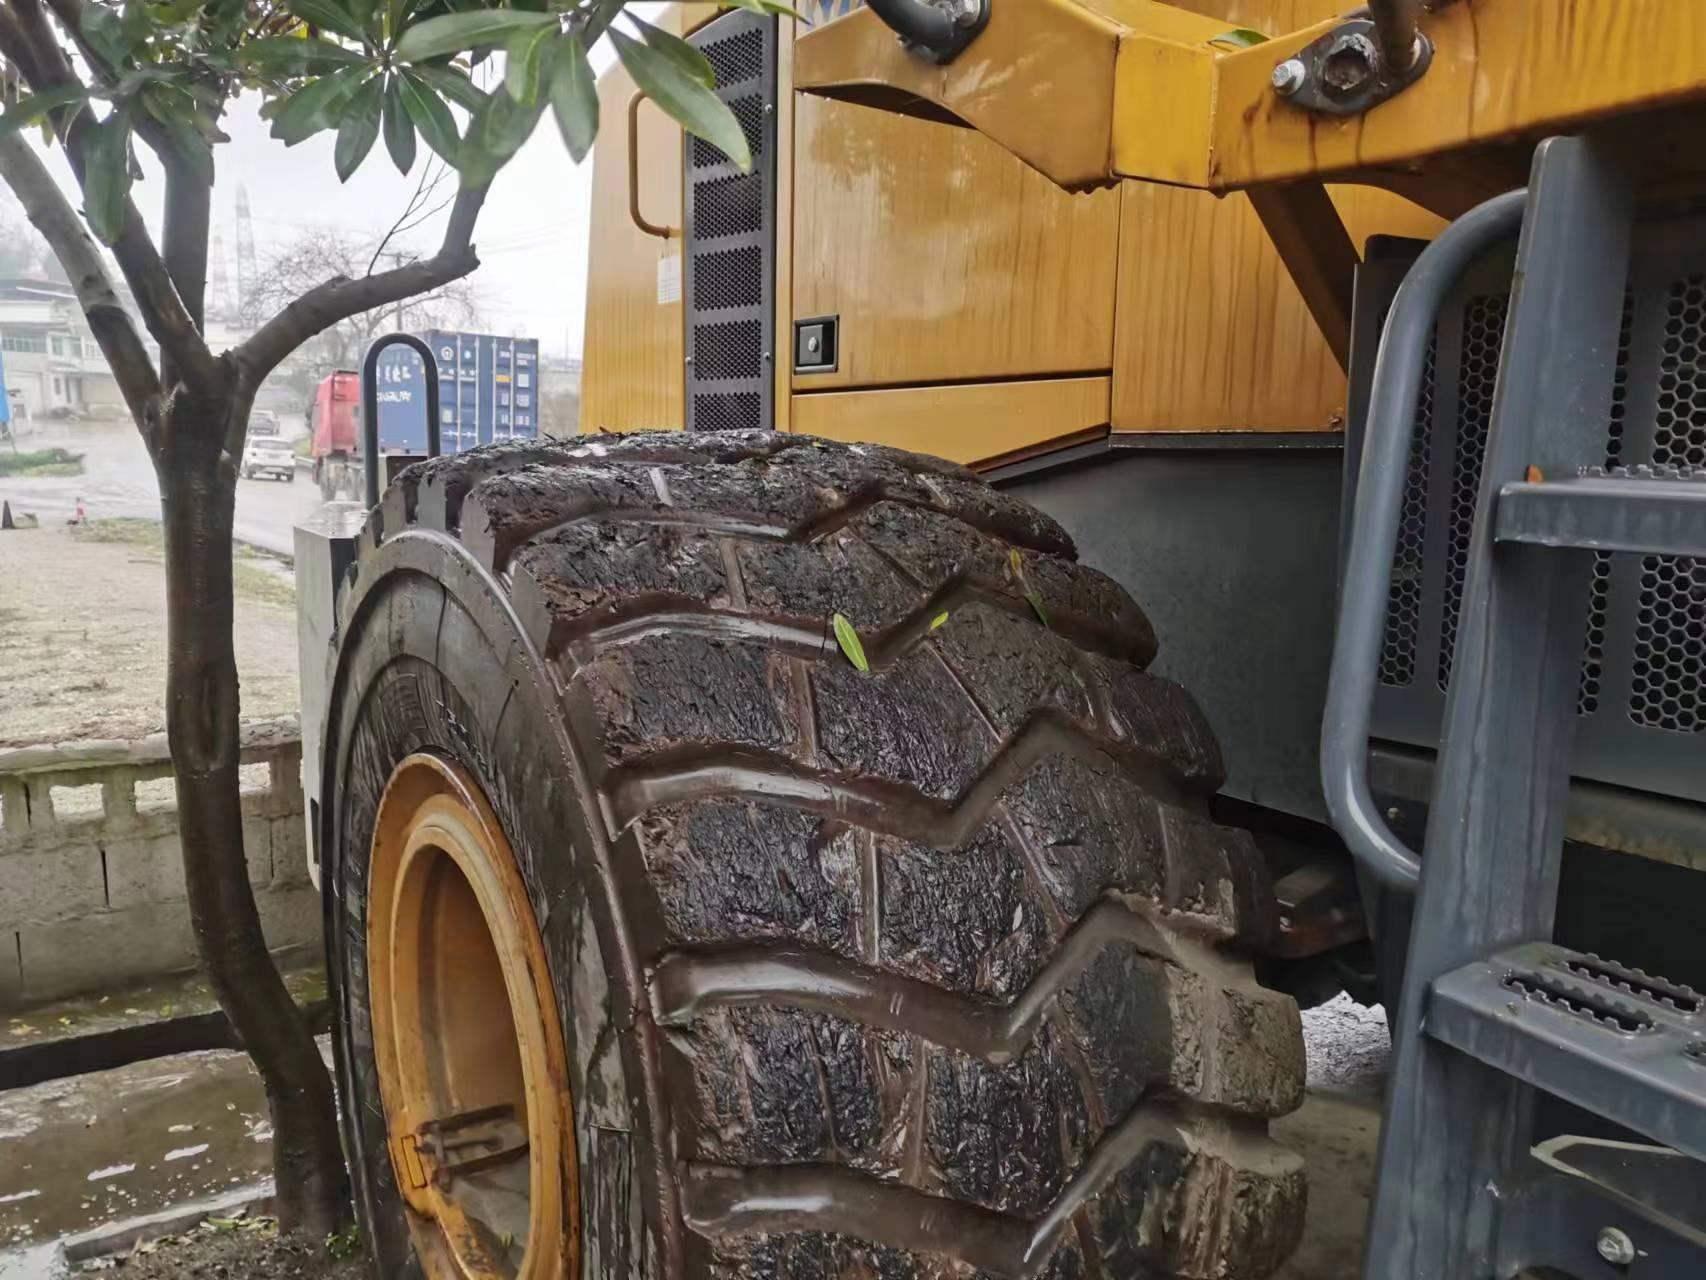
column 1670, row 626
column 732, row 278
column 1593, row 655
column 729, row 281
column 1483, row 331
column 1404, row 607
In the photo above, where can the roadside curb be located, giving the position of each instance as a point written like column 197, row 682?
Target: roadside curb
column 121, row 1237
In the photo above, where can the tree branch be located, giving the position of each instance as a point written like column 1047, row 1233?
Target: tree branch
column 53, row 216
column 342, row 297
column 28, row 41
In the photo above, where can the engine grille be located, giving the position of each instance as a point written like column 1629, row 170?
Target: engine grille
column 1642, row 692
column 730, row 237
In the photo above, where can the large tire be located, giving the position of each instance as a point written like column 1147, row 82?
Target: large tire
column 936, row 969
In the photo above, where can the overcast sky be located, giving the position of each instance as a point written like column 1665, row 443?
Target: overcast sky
column 532, row 233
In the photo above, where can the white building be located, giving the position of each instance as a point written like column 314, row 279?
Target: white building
column 53, row 365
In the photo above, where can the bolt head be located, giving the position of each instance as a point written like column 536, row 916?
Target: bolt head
column 1288, row 77
column 1615, row 1246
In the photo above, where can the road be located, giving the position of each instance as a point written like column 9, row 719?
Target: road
column 118, row 480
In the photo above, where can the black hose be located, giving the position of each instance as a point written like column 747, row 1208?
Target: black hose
column 931, row 29
column 1395, row 27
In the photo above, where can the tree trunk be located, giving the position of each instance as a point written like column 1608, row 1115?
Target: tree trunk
column 198, row 490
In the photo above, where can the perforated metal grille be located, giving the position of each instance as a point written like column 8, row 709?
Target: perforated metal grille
column 737, row 58
column 1483, row 330
column 1670, row 625
column 728, row 412
column 1593, row 653
column 1404, row 607
column 731, row 278
column 728, row 350
column 1670, row 645
column 749, row 112
column 729, row 206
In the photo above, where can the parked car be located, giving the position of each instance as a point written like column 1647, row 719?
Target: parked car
column 268, row 455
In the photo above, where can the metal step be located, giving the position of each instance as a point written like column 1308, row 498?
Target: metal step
column 1610, row 1039
column 1656, row 510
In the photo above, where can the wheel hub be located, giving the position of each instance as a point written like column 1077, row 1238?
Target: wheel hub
column 472, row 1068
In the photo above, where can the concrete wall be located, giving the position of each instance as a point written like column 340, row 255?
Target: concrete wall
column 91, row 873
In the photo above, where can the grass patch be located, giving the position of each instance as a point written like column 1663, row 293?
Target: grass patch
column 130, row 530
column 41, row 462
column 253, row 577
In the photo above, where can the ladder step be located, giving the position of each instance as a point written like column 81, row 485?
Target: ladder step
column 1660, row 511
column 1611, row 1039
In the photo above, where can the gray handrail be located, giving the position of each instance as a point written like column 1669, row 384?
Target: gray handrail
column 1374, row 534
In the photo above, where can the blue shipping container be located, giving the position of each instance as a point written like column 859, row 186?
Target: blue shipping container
column 488, row 389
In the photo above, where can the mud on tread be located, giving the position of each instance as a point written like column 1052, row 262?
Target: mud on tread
column 998, row 788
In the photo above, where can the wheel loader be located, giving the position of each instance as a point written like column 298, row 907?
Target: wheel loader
column 1128, row 519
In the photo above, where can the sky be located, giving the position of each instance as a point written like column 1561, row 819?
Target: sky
column 532, row 236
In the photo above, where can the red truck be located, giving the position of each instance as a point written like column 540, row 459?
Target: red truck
column 334, row 421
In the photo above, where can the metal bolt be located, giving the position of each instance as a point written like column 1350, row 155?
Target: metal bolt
column 1289, row 76
column 966, row 12
column 813, row 343
column 1615, row 1246
column 689, row 359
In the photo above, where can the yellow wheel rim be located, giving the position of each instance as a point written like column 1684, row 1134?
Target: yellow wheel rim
column 472, row 1070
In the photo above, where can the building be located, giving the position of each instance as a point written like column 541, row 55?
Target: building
column 53, row 364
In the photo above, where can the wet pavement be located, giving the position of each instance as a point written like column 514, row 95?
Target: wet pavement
column 118, row 480
column 86, row 1152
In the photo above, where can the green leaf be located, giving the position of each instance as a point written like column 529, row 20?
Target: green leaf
column 294, row 56
column 695, row 64
column 107, row 32
column 396, row 14
column 314, row 106
column 940, row 620
column 106, row 178
column 173, row 13
column 431, row 117
column 574, row 99
column 767, row 7
column 26, row 111
column 452, row 84
column 684, row 99
column 848, row 639
column 494, row 135
column 1238, row 38
column 1016, row 565
column 362, row 12
column 328, row 15
column 524, row 57
column 458, row 32
column 399, row 130
column 359, row 128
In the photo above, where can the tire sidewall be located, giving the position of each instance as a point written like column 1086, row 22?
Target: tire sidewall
column 416, row 673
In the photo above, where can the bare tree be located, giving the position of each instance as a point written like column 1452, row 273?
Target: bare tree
column 322, row 252
column 168, row 70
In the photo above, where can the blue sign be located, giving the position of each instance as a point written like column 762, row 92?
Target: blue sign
column 402, row 401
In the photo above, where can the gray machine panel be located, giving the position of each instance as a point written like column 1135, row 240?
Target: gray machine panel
column 1642, row 695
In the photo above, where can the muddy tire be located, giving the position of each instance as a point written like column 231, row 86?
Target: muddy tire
column 935, row 969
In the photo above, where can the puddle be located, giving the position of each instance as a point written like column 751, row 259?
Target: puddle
column 116, row 1144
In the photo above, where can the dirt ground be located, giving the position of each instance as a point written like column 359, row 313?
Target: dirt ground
column 83, row 634
column 233, row 1248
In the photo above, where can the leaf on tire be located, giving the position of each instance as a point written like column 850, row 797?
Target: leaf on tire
column 940, row 620
column 849, row 641
column 1016, row 565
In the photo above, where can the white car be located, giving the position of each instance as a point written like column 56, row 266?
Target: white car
column 268, row 456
